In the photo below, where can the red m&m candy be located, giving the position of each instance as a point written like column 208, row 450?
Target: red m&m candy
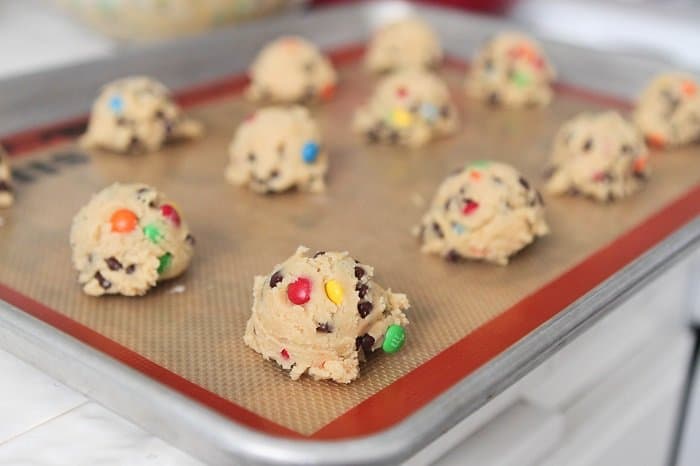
column 469, row 207
column 299, row 291
column 171, row 214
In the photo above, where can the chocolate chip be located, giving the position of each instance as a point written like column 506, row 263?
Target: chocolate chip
column 274, row 173
column 453, row 256
column 113, row 264
column 121, row 121
column 588, row 145
column 497, row 179
column 627, row 149
column 134, row 144
column 5, row 186
column 549, row 172
column 359, row 272
column 446, row 206
column 319, row 253
column 364, row 308
column 142, row 191
column 324, row 328
column 131, row 269
column 372, row 136
column 153, row 205
column 494, row 100
column 438, row 230
column 281, row 147
column 445, row 111
column 275, row 278
column 573, row 192
column 366, row 342
column 160, row 115
column 104, row 283
column 539, row 198
column 362, row 290
column 190, row 240
column 524, row 183
column 251, row 157
column 394, row 137
column 309, row 66
column 639, row 175
column 611, row 197
column 414, row 108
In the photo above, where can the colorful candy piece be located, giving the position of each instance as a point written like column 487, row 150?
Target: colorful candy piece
column 309, row 153
column 470, row 207
column 171, row 213
column 284, row 353
column 479, row 164
column 394, row 338
column 123, row 221
column 299, row 291
column 475, row 175
column 153, row 233
column 689, row 88
column 164, row 262
column 401, row 118
column 458, row 228
column 334, row 291
column 640, row 164
column 401, row 92
column 116, row 104
column 429, row 111
column 521, row 79
column 327, row 92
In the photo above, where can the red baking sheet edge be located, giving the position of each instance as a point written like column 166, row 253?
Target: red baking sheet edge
column 417, row 388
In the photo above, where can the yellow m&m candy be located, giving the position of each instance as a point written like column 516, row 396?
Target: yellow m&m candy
column 334, row 291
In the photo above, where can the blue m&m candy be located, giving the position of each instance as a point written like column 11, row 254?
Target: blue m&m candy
column 309, row 153
column 429, row 111
column 116, row 104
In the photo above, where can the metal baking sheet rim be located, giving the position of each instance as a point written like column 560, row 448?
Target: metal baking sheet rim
column 217, row 439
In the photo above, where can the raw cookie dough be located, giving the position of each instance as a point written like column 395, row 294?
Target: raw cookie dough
column 408, row 43
column 6, row 197
column 136, row 114
column 409, row 107
column 601, row 156
column 127, row 238
column 485, row 211
column 668, row 111
column 291, row 70
column 323, row 315
column 511, row 70
column 276, row 149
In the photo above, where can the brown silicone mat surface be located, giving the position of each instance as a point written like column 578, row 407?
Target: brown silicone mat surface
column 375, row 195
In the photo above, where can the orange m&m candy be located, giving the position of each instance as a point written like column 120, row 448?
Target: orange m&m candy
column 123, row 221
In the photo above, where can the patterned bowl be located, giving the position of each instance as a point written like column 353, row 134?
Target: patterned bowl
column 151, row 19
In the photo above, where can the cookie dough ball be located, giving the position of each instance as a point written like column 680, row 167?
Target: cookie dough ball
column 127, row 238
column 323, row 315
column 485, row 211
column 6, row 197
column 600, row 156
column 291, row 70
column 408, row 43
column 511, row 70
column 137, row 114
column 277, row 149
column 668, row 111
column 409, row 107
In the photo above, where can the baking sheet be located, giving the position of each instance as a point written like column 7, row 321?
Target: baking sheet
column 375, row 195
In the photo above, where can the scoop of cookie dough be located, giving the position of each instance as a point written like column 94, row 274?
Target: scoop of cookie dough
column 407, row 43
column 6, row 197
column 137, row 114
column 601, row 156
column 484, row 211
column 323, row 315
column 291, row 70
column 278, row 148
column 511, row 70
column 127, row 238
column 668, row 111
column 409, row 107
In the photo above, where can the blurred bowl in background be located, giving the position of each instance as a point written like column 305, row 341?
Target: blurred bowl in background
column 155, row 19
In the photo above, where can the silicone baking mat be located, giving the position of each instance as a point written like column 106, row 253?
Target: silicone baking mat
column 462, row 315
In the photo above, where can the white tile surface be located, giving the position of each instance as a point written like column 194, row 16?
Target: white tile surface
column 90, row 435
column 29, row 398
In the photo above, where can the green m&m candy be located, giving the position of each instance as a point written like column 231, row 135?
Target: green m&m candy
column 153, row 233
column 394, row 338
column 165, row 261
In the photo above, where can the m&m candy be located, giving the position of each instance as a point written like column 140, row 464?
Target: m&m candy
column 299, row 291
column 153, row 233
column 394, row 338
column 164, row 262
column 123, row 221
column 334, row 291
column 470, row 207
column 309, row 153
column 170, row 212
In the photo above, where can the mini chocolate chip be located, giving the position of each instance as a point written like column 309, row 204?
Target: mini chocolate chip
column 121, row 121
column 275, row 278
column 142, row 191
column 309, row 66
column 281, row 147
column 274, row 173
column 366, row 342
column 359, row 272
column 639, row 175
column 549, row 172
column 497, row 179
column 324, row 328
column 573, row 191
column 588, row 145
column 153, row 205
column 446, row 206
column 611, row 197
column 5, row 186
column 445, row 111
column 251, row 157
column 160, row 115
column 394, row 137
column 627, row 149
column 104, row 283
column 453, row 256
column 131, row 269
column 309, row 93
column 113, row 263
column 414, row 108
column 539, row 198
column 494, row 100
column 362, row 290
column 190, row 240
column 524, row 183
column 134, row 144
column 364, row 308
column 319, row 253
column 372, row 136
column 438, row 230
